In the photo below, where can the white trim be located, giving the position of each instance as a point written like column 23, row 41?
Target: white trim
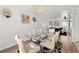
column 1, row 49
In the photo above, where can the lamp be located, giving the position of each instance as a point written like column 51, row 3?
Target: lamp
column 66, row 16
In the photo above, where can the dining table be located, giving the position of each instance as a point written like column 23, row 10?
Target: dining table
column 43, row 40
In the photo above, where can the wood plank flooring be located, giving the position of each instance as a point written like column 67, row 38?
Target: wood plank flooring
column 14, row 49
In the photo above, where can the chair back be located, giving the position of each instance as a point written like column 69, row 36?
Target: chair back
column 20, row 43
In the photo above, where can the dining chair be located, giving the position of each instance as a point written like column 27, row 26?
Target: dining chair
column 26, row 47
column 55, row 37
column 50, row 43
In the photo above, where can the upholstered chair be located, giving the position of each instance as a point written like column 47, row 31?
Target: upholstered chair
column 55, row 38
column 26, row 47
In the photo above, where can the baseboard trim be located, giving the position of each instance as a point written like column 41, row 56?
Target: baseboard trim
column 8, row 47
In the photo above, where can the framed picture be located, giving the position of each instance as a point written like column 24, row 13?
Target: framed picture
column 25, row 18
column 6, row 12
column 34, row 19
column 56, row 23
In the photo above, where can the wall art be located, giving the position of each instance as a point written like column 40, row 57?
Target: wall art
column 6, row 12
column 25, row 18
column 34, row 19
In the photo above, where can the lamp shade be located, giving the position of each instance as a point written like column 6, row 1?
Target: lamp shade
column 65, row 15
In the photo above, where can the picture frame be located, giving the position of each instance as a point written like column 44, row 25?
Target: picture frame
column 25, row 18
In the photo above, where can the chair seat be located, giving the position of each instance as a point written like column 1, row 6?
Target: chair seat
column 34, row 48
column 26, row 46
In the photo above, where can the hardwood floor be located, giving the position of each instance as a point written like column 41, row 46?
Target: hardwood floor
column 67, row 45
column 71, row 49
column 14, row 49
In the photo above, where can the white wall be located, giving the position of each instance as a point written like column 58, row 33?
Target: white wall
column 9, row 27
column 76, row 24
